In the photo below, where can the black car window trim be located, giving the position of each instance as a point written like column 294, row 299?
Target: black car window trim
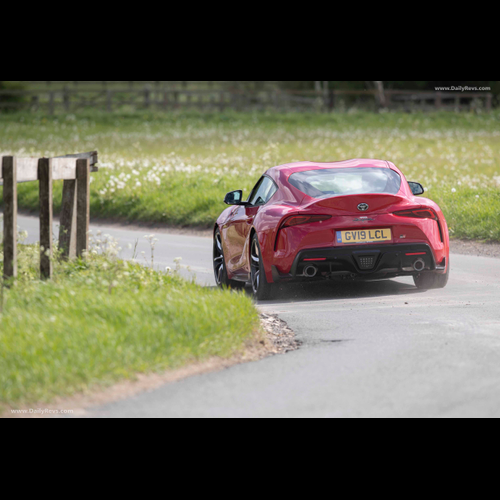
column 257, row 187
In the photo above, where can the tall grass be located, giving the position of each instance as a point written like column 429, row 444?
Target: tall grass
column 102, row 320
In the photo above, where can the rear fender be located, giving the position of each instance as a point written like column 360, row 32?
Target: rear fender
column 266, row 225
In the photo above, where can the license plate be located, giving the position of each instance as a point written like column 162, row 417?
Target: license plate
column 363, row 236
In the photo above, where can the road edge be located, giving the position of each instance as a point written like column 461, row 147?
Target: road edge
column 274, row 337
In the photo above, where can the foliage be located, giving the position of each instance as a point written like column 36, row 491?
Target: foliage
column 103, row 319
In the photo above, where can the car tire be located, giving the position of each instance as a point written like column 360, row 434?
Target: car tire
column 429, row 281
column 220, row 270
column 262, row 290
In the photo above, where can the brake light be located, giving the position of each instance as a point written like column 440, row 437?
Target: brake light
column 420, row 213
column 296, row 220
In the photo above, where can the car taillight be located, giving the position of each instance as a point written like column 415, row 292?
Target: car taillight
column 420, row 213
column 295, row 220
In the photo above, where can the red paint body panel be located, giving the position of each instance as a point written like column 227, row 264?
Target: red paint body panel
column 279, row 247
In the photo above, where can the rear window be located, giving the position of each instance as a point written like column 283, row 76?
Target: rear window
column 328, row 182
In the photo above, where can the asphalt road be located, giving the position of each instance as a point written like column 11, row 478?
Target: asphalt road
column 380, row 349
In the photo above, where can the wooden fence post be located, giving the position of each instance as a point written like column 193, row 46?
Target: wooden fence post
column 67, row 229
column 9, row 174
column 45, row 189
column 82, row 206
column 488, row 102
column 388, row 99
column 438, row 100
column 109, row 101
column 51, row 103
column 66, row 98
column 35, row 102
column 331, row 100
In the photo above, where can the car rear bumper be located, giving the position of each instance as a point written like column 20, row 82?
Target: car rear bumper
column 360, row 261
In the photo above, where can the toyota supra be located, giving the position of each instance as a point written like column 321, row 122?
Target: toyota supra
column 349, row 220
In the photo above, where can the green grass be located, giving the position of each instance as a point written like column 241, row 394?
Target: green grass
column 176, row 168
column 103, row 320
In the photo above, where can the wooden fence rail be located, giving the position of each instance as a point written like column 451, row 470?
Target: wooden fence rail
column 75, row 171
column 71, row 99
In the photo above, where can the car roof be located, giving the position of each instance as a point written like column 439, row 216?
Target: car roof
column 288, row 169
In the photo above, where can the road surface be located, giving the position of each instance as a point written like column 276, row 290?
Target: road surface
column 380, row 349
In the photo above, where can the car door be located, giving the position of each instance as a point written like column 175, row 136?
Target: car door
column 241, row 223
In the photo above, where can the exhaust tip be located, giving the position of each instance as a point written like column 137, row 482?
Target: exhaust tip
column 310, row 271
column 419, row 265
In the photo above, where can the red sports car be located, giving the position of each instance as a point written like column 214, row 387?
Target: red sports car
column 347, row 220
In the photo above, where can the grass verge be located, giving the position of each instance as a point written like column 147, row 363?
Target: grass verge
column 102, row 320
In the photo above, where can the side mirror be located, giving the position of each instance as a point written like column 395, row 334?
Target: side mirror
column 234, row 198
column 416, row 188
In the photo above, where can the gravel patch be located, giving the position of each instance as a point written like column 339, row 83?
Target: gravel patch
column 478, row 248
column 279, row 334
